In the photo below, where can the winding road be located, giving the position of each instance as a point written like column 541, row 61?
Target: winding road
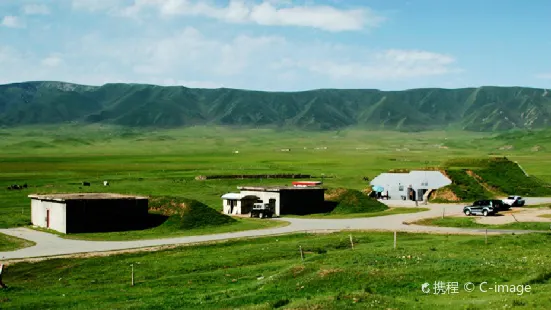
column 49, row 245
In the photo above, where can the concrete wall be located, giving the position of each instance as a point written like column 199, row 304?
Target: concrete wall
column 105, row 215
column 301, row 202
column 265, row 197
column 58, row 215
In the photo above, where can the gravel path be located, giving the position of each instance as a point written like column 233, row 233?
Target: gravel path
column 52, row 245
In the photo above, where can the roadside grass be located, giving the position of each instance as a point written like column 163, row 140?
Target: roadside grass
column 546, row 216
column 469, row 222
column 10, row 243
column 160, row 232
column 268, row 273
column 391, row 211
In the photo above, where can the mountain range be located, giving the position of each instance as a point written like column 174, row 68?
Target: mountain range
column 486, row 108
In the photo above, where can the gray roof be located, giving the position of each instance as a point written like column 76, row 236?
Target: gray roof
column 435, row 179
column 83, row 196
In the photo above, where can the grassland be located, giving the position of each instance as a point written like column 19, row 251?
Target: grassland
column 469, row 222
column 268, row 273
column 10, row 243
column 152, row 162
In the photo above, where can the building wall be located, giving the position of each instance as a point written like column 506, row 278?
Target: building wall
column 228, row 209
column 58, row 219
column 106, row 215
column 301, row 202
column 265, row 197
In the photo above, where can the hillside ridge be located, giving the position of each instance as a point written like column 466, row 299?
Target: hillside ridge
column 484, row 109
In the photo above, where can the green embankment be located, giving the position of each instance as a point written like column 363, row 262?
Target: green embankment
column 350, row 201
column 475, row 179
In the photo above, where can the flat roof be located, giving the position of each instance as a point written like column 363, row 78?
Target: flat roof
column 277, row 188
column 84, row 196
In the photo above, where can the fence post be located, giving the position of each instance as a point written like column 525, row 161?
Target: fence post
column 301, row 253
column 132, row 266
column 486, row 236
column 352, row 242
column 395, row 233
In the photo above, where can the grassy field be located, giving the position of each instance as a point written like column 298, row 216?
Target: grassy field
column 154, row 162
column 390, row 211
column 9, row 243
column 268, row 273
column 469, row 222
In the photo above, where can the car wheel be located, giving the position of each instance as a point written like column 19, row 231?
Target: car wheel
column 467, row 212
column 485, row 212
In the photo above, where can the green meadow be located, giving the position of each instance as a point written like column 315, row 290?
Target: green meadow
column 262, row 273
column 268, row 273
column 141, row 161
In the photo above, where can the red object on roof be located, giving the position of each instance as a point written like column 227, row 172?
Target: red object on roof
column 306, row 183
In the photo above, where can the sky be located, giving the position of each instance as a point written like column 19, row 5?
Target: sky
column 278, row 45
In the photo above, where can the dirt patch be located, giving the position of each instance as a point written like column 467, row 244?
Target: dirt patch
column 325, row 272
column 480, row 181
column 297, row 270
column 536, row 148
column 445, row 194
column 335, row 194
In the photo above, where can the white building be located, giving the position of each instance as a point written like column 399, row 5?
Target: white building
column 410, row 186
column 89, row 212
column 285, row 199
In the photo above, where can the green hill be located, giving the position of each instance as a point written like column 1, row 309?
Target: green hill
column 187, row 213
column 474, row 109
column 349, row 201
column 475, row 179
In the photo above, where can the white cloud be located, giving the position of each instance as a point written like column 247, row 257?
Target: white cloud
column 192, row 59
column 52, row 61
column 545, row 76
column 13, row 22
column 36, row 9
column 267, row 13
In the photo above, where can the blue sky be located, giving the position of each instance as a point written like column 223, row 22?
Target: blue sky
column 278, row 44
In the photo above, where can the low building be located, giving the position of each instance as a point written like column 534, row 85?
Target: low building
column 415, row 185
column 236, row 203
column 286, row 199
column 89, row 212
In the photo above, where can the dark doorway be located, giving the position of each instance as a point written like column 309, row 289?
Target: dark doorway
column 412, row 194
column 47, row 218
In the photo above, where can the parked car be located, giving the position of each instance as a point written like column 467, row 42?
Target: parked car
column 499, row 205
column 262, row 210
column 482, row 207
column 514, row 201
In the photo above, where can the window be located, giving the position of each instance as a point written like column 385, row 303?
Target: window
column 401, row 188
